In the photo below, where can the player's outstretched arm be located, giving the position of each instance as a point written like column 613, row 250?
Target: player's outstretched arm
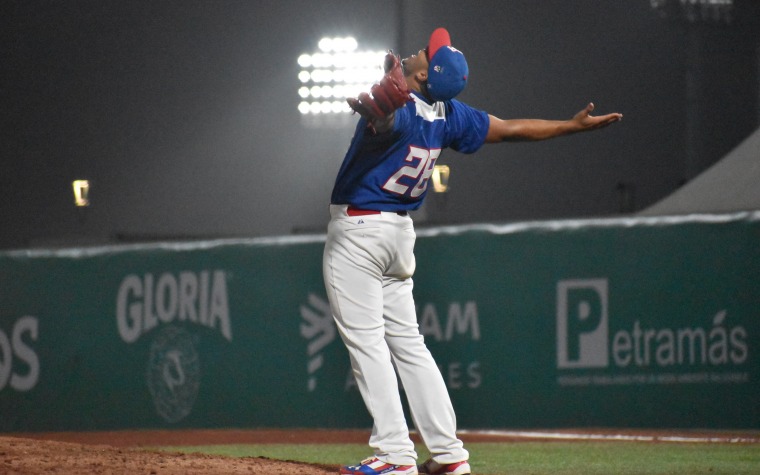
column 513, row 130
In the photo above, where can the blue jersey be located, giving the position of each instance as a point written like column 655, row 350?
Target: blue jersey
column 390, row 171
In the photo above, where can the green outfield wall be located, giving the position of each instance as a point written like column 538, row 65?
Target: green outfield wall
column 646, row 322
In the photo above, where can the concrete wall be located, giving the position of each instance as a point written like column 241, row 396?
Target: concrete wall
column 183, row 113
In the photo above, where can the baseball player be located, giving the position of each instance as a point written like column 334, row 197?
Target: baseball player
column 407, row 119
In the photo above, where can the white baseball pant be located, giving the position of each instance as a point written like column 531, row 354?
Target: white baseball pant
column 368, row 264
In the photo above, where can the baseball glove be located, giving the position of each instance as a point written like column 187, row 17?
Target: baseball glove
column 384, row 97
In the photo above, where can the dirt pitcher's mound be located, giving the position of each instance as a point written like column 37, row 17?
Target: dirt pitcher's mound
column 34, row 457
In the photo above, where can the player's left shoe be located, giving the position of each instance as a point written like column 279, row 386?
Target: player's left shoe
column 374, row 466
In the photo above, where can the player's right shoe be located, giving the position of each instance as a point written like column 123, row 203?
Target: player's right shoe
column 373, row 466
column 432, row 467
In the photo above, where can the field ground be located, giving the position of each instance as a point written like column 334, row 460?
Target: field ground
column 317, row 452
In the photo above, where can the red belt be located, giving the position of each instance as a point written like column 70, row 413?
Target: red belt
column 352, row 211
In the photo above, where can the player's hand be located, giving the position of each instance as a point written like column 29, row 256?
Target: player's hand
column 384, row 97
column 585, row 121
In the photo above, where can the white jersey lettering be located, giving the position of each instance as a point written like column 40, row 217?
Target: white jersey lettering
column 421, row 172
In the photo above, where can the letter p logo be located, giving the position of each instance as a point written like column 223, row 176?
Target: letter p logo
column 582, row 331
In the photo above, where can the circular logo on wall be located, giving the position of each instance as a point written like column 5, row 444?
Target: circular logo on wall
column 173, row 373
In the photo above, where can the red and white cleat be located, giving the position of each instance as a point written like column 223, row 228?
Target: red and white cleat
column 431, row 467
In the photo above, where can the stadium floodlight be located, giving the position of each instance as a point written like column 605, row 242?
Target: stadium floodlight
column 696, row 11
column 337, row 70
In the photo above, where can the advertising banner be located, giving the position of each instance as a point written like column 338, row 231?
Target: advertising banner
column 621, row 323
column 649, row 322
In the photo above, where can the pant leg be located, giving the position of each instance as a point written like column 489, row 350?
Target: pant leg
column 354, row 261
column 426, row 391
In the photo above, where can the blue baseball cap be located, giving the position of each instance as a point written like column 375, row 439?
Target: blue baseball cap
column 447, row 73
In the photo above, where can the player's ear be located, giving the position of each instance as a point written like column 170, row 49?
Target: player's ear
column 421, row 76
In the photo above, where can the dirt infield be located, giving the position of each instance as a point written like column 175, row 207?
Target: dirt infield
column 122, row 453
column 34, row 457
column 128, row 452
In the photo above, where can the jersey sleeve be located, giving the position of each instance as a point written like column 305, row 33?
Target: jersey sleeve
column 403, row 117
column 466, row 127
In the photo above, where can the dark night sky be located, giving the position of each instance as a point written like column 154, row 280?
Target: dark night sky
column 183, row 113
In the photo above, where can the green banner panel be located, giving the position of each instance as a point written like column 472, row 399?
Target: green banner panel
column 649, row 322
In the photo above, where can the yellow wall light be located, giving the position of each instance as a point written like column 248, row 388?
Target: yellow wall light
column 440, row 178
column 81, row 192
